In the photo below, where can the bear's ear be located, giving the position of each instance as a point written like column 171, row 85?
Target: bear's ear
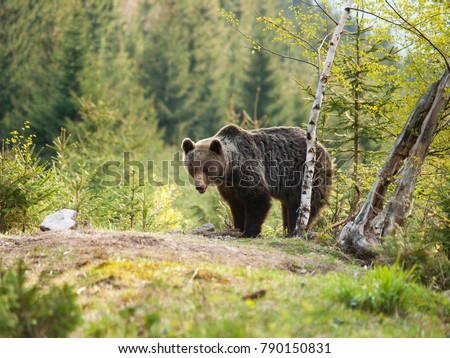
column 216, row 146
column 187, row 145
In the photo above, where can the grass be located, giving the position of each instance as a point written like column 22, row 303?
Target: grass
column 164, row 299
column 196, row 290
column 384, row 289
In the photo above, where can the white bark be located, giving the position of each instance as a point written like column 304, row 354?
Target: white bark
column 308, row 172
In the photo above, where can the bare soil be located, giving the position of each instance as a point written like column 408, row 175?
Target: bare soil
column 60, row 251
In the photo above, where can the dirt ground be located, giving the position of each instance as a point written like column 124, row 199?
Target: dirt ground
column 64, row 250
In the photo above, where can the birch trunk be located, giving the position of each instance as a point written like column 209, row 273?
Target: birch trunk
column 308, row 172
column 361, row 236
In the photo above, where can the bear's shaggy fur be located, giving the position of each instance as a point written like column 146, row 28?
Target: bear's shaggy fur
column 250, row 167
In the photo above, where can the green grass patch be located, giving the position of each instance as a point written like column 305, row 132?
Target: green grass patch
column 144, row 298
column 387, row 290
column 131, row 285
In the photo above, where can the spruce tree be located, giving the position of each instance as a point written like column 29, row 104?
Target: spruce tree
column 44, row 49
column 361, row 101
column 181, row 66
column 165, row 64
column 27, row 65
column 261, row 83
column 7, row 87
column 208, row 67
column 261, row 88
column 71, row 61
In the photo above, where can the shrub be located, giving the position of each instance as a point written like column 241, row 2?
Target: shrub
column 383, row 289
column 430, row 262
column 24, row 182
column 130, row 203
column 424, row 242
column 30, row 187
column 35, row 311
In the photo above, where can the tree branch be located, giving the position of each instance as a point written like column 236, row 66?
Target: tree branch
column 411, row 28
column 285, row 29
column 326, row 13
column 263, row 48
column 420, row 34
column 379, row 17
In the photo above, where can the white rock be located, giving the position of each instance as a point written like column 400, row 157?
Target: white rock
column 63, row 219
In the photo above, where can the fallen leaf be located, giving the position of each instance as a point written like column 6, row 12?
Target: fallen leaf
column 255, row 295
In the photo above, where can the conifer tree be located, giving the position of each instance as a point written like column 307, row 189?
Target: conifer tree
column 208, row 68
column 7, row 87
column 261, row 89
column 180, row 66
column 71, row 56
column 165, row 64
column 28, row 65
column 259, row 78
column 363, row 83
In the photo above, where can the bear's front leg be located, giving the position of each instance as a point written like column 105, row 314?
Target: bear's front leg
column 238, row 212
column 284, row 211
column 236, row 206
column 256, row 210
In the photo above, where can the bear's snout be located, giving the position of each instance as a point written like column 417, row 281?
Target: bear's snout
column 200, row 188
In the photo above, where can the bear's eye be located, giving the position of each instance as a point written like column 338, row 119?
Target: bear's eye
column 211, row 171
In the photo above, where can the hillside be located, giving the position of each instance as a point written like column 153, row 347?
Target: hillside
column 164, row 285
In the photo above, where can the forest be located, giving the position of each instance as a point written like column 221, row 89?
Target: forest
column 87, row 86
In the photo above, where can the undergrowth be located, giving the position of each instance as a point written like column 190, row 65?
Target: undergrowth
column 384, row 289
column 32, row 187
column 35, row 310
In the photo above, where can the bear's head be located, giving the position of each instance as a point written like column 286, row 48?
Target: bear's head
column 205, row 162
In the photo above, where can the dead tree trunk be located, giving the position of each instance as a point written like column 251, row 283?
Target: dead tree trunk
column 361, row 236
column 308, row 173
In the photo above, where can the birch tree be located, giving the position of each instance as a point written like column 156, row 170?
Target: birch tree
column 303, row 36
column 308, row 173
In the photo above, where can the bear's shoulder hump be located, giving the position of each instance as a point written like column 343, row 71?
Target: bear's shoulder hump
column 230, row 130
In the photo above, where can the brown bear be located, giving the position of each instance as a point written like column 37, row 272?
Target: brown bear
column 250, row 167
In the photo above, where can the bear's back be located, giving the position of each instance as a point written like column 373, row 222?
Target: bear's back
column 270, row 161
column 283, row 150
column 282, row 143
